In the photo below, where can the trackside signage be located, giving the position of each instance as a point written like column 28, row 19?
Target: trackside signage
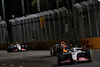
column 42, row 22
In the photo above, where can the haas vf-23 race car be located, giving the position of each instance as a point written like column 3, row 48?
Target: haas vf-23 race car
column 74, row 55
column 17, row 47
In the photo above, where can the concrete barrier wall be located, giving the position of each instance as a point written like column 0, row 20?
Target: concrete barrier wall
column 36, row 45
column 42, row 45
column 91, row 43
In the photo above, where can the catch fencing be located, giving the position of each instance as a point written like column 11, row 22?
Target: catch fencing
column 44, row 26
column 88, row 14
column 3, row 32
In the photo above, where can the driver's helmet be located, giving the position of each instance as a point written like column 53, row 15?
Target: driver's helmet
column 17, row 42
column 62, row 42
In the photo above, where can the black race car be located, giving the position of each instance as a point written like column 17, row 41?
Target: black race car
column 55, row 49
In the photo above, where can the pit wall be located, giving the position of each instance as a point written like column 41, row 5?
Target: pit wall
column 37, row 45
column 91, row 43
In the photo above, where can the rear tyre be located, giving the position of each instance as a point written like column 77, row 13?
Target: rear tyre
column 89, row 61
column 59, row 64
column 59, row 58
column 26, row 49
column 51, row 52
column 8, row 50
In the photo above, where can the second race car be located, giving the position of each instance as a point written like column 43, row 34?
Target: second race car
column 17, row 47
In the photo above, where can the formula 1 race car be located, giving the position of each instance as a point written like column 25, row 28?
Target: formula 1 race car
column 53, row 50
column 17, row 48
column 74, row 55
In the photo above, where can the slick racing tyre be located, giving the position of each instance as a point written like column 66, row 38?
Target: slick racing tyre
column 89, row 54
column 59, row 58
column 51, row 52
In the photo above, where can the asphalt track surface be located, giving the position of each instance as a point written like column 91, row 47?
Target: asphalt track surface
column 40, row 58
